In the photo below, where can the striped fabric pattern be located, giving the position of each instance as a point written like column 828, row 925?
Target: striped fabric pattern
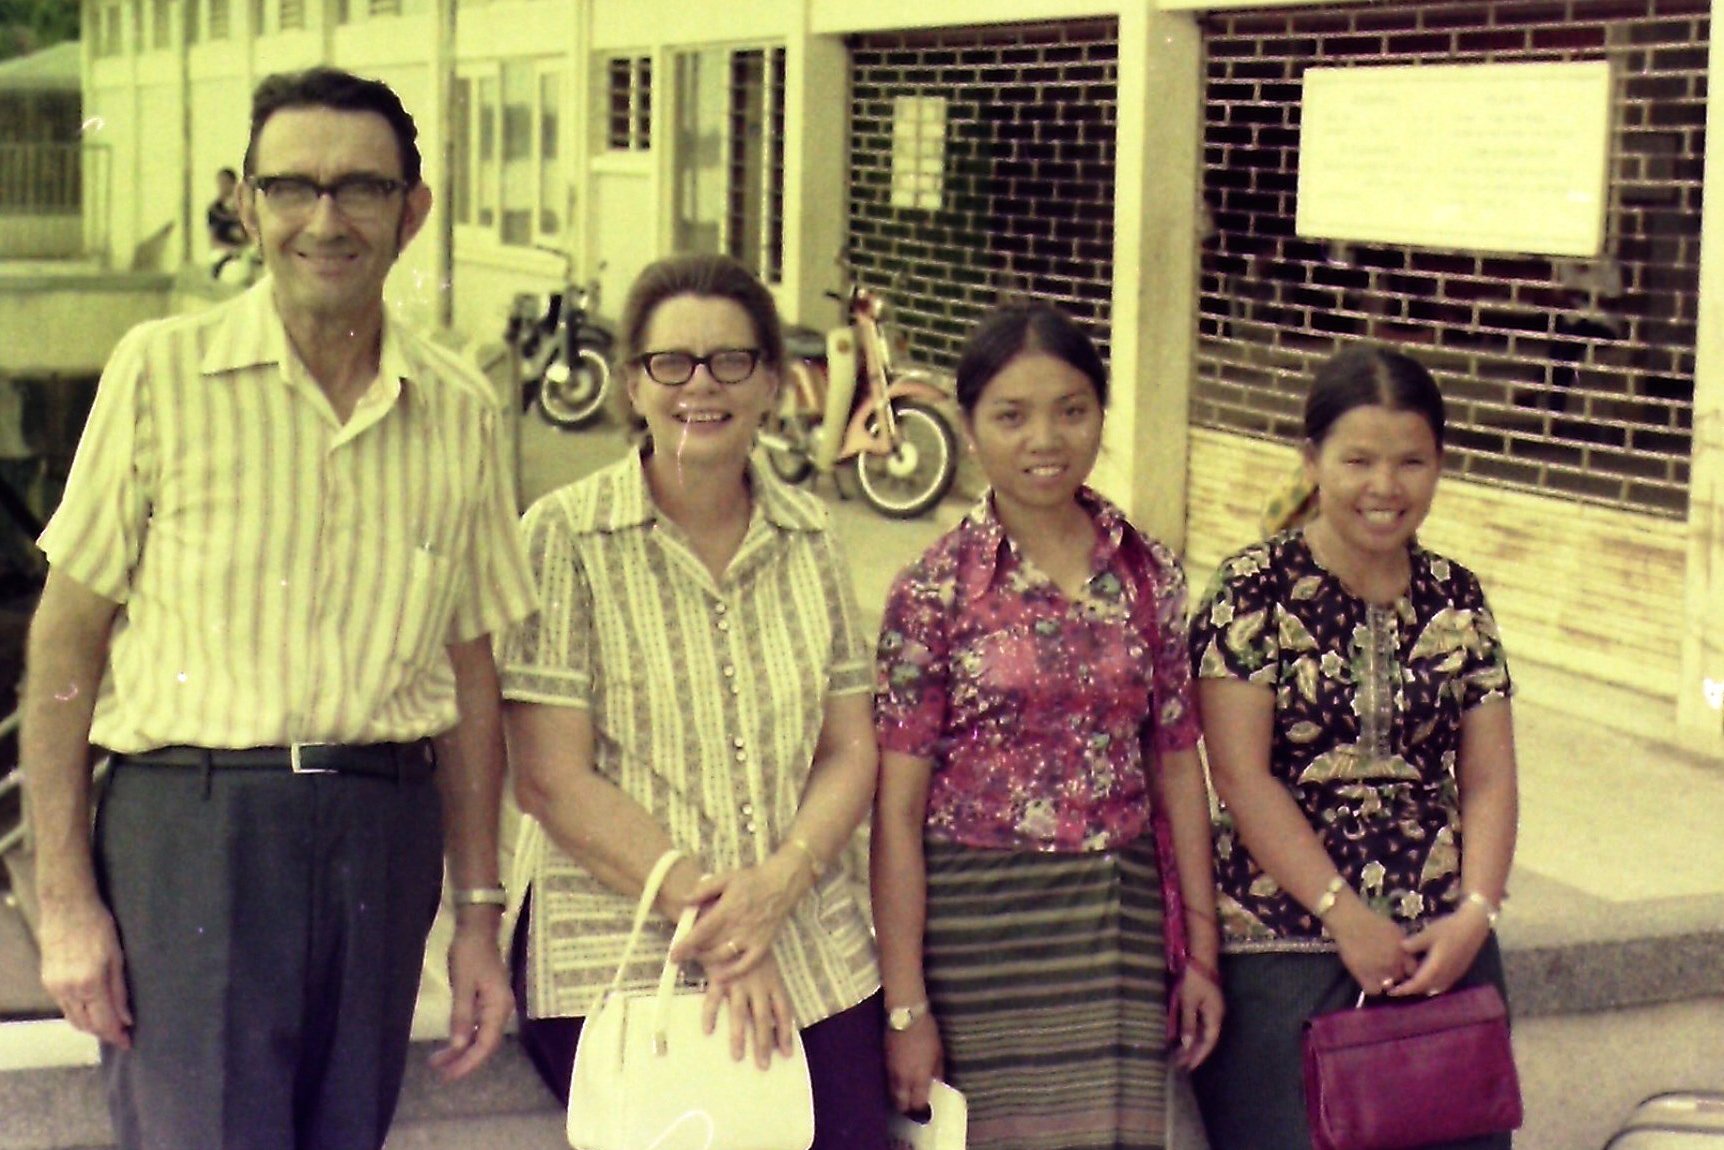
column 707, row 699
column 284, row 576
column 1045, row 974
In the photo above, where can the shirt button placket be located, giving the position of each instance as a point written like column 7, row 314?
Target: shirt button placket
column 739, row 746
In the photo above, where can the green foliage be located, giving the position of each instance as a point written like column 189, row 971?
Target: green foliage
column 29, row 25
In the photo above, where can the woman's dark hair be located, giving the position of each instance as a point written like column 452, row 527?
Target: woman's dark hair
column 1368, row 376
column 343, row 92
column 1007, row 332
column 707, row 277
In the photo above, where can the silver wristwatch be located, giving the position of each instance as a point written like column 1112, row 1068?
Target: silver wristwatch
column 904, row 1017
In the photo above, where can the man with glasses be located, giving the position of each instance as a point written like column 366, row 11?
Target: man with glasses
column 284, row 544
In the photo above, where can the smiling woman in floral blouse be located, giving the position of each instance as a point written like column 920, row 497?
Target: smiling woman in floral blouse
column 1355, row 710
column 1027, row 663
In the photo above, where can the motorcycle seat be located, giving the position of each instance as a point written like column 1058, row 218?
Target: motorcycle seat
column 804, row 343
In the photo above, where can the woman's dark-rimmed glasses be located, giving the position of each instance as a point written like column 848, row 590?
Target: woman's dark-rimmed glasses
column 675, row 368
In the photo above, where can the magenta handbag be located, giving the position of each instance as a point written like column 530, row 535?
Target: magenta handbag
column 1395, row 1077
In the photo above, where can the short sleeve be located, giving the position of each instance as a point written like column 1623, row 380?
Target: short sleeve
column 496, row 585
column 912, row 683
column 1485, row 674
column 96, row 535
column 1234, row 634
column 850, row 671
column 548, row 656
column 1176, row 727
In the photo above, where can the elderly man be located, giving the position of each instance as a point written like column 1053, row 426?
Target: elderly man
column 282, row 549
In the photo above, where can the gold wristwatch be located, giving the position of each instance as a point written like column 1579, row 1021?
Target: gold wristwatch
column 904, row 1017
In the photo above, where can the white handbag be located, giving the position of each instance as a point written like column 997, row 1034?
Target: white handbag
column 647, row 1077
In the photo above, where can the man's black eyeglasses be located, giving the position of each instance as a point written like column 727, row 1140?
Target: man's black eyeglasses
column 675, row 368
column 356, row 197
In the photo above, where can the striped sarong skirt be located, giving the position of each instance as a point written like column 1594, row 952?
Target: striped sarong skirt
column 1045, row 973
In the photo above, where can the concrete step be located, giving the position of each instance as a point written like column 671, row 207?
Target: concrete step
column 21, row 993
column 502, row 1104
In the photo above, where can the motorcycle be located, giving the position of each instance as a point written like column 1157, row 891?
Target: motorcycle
column 846, row 403
column 562, row 353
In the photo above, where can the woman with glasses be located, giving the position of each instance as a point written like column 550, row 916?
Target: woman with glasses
column 697, row 679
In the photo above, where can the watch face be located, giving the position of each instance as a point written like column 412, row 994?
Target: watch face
column 900, row 1019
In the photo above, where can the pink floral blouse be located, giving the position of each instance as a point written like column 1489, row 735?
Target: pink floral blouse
column 1030, row 704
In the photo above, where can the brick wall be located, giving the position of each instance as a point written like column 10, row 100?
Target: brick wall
column 1027, row 205
column 1551, row 386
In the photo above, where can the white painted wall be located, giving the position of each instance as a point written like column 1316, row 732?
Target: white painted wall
column 840, row 16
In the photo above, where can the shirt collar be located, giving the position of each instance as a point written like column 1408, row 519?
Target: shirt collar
column 250, row 334
column 632, row 505
column 992, row 545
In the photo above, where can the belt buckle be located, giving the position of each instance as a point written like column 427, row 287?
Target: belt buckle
column 298, row 767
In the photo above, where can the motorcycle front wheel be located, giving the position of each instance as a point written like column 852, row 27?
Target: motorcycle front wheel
column 916, row 474
column 572, row 396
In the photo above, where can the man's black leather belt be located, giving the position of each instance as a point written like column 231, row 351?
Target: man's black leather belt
column 402, row 762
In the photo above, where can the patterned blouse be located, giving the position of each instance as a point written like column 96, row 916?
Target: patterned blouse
column 1368, row 706
column 1030, row 704
column 707, row 698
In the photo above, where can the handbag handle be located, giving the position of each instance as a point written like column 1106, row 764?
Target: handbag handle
column 667, row 983
column 649, row 895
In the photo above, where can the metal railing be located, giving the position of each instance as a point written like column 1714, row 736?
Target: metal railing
column 42, row 179
column 54, row 200
column 19, row 835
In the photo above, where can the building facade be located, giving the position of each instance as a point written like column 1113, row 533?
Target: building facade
column 1136, row 164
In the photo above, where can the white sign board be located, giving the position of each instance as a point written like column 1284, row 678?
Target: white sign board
column 1494, row 157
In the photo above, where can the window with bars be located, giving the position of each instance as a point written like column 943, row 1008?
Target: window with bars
column 1574, row 378
column 727, row 150
column 108, row 29
column 507, row 128
column 217, row 20
column 292, row 15
column 161, row 24
column 628, row 117
column 754, row 231
column 356, row 11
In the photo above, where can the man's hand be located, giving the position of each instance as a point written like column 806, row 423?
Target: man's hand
column 481, row 1001
column 84, row 971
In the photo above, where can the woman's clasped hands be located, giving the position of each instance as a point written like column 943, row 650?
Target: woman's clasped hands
column 1383, row 959
column 740, row 913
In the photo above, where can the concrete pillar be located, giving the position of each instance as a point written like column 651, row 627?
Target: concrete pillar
column 816, row 95
column 1700, row 691
column 1144, row 455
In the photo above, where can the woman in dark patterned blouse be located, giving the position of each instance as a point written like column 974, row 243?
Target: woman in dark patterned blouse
column 1027, row 664
column 1355, row 704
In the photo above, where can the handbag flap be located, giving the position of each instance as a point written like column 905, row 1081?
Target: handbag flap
column 1369, row 1025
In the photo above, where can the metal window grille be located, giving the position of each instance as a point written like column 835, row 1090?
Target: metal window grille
column 292, row 15
column 460, row 132
column 108, row 26
column 161, row 24
column 628, row 123
column 218, row 20
column 1569, row 378
column 754, row 219
column 1028, row 198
